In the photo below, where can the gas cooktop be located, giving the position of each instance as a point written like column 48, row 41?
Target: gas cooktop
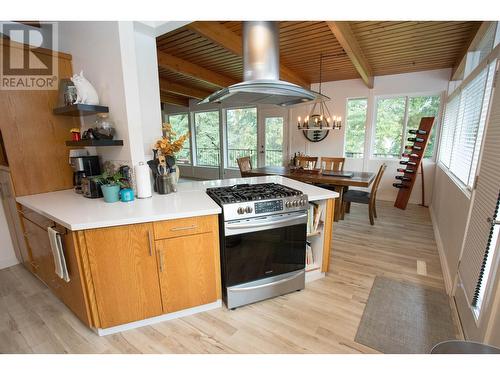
column 246, row 201
column 248, row 193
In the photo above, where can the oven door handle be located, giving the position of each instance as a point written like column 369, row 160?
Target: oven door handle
column 265, row 223
column 272, row 283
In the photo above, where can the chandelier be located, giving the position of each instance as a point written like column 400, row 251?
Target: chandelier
column 319, row 118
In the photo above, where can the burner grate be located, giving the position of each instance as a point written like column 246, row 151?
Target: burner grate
column 247, row 192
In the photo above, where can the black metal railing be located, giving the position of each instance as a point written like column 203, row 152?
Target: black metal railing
column 207, row 157
column 210, row 157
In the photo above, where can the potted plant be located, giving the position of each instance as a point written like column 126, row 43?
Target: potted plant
column 111, row 183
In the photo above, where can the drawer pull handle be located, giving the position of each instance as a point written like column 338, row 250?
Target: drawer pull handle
column 161, row 261
column 150, row 239
column 194, row 226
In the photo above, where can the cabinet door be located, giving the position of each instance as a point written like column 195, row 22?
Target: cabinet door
column 188, row 271
column 43, row 261
column 124, row 272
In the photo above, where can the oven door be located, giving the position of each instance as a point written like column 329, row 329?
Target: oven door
column 264, row 247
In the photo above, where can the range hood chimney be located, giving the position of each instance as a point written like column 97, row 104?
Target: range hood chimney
column 261, row 72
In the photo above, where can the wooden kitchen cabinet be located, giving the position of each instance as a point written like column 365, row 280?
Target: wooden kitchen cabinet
column 190, row 269
column 42, row 260
column 124, row 273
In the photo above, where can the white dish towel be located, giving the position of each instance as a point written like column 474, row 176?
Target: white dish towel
column 58, row 254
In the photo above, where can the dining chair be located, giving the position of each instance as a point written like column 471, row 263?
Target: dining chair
column 245, row 164
column 365, row 197
column 332, row 164
column 304, row 161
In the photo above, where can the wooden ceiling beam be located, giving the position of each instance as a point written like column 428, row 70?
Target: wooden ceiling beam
column 344, row 35
column 176, row 64
column 178, row 89
column 173, row 99
column 476, row 35
column 232, row 42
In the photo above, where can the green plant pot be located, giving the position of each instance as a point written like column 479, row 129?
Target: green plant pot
column 111, row 193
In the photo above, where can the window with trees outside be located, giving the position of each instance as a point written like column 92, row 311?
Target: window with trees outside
column 180, row 125
column 395, row 116
column 241, row 125
column 355, row 127
column 206, row 127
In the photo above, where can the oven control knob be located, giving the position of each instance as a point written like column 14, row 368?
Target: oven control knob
column 288, row 204
column 302, row 202
column 240, row 210
column 248, row 210
column 295, row 203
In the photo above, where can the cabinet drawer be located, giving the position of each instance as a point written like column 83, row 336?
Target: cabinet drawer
column 184, row 227
column 36, row 218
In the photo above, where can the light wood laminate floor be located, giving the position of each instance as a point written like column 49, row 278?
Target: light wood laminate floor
column 323, row 318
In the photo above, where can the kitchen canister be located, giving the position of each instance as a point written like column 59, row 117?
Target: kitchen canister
column 143, row 180
column 126, row 195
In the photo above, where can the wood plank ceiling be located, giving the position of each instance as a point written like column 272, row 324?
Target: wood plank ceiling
column 193, row 63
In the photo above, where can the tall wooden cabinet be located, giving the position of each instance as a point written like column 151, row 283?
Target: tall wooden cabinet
column 33, row 138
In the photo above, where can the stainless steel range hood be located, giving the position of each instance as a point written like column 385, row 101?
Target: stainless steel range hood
column 261, row 71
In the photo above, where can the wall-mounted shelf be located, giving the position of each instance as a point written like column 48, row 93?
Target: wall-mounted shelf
column 77, row 110
column 95, row 143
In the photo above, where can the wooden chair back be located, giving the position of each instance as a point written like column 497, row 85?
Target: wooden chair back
column 304, row 161
column 332, row 164
column 245, row 164
column 376, row 182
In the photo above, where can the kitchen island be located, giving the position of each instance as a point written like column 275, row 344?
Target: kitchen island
column 137, row 263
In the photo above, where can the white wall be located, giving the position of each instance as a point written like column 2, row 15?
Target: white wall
column 7, row 255
column 119, row 59
column 427, row 82
column 450, row 208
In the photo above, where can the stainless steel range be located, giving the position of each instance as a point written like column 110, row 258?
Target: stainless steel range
column 263, row 241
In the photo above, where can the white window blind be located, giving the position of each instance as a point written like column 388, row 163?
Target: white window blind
column 463, row 125
column 447, row 132
column 480, row 240
column 467, row 127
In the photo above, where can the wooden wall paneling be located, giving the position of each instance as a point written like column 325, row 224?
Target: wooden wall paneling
column 219, row 34
column 343, row 33
column 177, row 64
column 182, row 90
column 34, row 138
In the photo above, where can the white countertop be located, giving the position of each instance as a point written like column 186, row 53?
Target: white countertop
column 76, row 212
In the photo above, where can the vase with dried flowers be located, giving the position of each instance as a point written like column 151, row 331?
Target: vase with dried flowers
column 164, row 151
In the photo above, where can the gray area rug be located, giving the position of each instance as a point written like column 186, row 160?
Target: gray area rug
column 404, row 318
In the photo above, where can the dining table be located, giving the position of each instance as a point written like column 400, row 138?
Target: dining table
column 340, row 184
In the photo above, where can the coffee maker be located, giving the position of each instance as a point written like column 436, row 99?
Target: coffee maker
column 84, row 167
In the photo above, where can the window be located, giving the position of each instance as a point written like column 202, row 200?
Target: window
column 355, row 128
column 463, row 125
column 273, row 134
column 241, row 135
column 395, row 116
column 206, row 127
column 423, row 106
column 389, row 127
column 180, row 125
